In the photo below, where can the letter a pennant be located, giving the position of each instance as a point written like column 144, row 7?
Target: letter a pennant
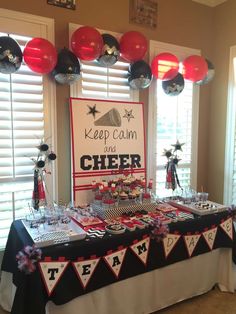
column 169, row 243
column 115, row 260
column 191, row 242
column 141, row 249
column 52, row 271
column 210, row 236
column 85, row 269
column 227, row 226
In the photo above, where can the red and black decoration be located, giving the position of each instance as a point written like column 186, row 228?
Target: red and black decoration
column 45, row 156
column 87, row 44
column 172, row 180
column 123, row 259
column 10, row 55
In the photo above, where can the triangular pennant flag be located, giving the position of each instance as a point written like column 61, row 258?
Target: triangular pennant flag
column 52, row 272
column 169, row 243
column 227, row 226
column 210, row 236
column 141, row 249
column 85, row 269
column 191, row 242
column 115, row 260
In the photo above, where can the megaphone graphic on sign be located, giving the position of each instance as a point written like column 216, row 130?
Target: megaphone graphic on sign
column 110, row 118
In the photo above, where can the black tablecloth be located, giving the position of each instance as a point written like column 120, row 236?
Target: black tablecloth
column 31, row 296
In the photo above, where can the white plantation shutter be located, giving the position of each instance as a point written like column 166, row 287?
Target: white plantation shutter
column 22, row 127
column 172, row 118
column 230, row 146
column 103, row 83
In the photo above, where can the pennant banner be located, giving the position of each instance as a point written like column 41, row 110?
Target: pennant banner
column 227, row 226
column 210, row 236
column 85, row 269
column 169, row 243
column 141, row 249
column 115, row 261
column 191, row 242
column 52, row 272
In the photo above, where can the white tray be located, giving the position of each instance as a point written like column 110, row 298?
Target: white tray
column 46, row 235
column 196, row 208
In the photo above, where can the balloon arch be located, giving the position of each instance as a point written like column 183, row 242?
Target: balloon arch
column 87, row 44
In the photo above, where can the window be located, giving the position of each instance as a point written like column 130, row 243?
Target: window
column 172, row 118
column 230, row 146
column 25, row 120
column 100, row 82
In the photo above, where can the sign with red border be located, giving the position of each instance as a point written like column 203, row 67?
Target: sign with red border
column 106, row 136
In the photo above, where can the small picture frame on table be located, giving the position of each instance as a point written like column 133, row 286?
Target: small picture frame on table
column 143, row 12
column 67, row 4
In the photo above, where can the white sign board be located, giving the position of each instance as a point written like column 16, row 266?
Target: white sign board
column 106, row 136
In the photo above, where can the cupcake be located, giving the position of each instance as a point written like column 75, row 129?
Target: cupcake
column 132, row 195
column 123, row 195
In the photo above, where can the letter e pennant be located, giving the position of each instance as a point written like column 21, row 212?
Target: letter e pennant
column 210, row 236
column 85, row 269
column 169, row 243
column 141, row 249
column 191, row 242
column 52, row 271
column 227, row 226
column 115, row 261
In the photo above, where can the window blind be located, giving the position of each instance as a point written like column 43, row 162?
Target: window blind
column 174, row 122
column 172, row 118
column 230, row 138
column 21, row 129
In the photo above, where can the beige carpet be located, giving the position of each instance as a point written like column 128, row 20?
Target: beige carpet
column 213, row 302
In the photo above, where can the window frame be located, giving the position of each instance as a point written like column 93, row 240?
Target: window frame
column 75, row 89
column 37, row 26
column 157, row 47
column 230, row 125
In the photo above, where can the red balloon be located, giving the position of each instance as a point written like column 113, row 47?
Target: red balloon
column 40, row 55
column 133, row 46
column 87, row 43
column 165, row 66
column 195, row 68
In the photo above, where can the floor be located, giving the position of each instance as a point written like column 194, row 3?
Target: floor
column 213, row 302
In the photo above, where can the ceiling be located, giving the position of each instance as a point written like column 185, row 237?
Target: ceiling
column 210, row 3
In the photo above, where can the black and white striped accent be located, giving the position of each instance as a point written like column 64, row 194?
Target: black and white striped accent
column 107, row 213
column 95, row 233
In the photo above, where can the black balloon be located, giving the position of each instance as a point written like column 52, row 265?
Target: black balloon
column 140, row 75
column 67, row 69
column 175, row 86
column 110, row 51
column 10, row 55
column 210, row 74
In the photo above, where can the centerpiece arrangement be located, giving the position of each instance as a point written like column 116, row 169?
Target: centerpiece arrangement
column 122, row 190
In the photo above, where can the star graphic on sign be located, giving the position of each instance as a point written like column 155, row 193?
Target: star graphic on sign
column 93, row 110
column 128, row 114
column 178, row 145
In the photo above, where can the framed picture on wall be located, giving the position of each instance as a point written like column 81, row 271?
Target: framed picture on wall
column 143, row 12
column 107, row 137
column 68, row 4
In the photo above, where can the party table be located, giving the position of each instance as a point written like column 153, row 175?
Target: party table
column 124, row 273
